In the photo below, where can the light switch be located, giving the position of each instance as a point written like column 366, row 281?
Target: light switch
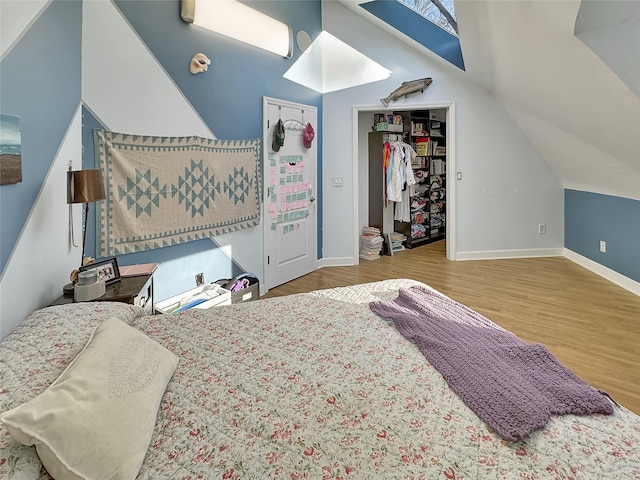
column 338, row 181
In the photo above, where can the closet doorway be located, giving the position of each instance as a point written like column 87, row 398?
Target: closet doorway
column 363, row 120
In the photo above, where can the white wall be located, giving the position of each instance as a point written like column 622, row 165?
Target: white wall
column 583, row 119
column 115, row 60
column 506, row 190
column 44, row 255
column 142, row 99
column 16, row 18
column 612, row 30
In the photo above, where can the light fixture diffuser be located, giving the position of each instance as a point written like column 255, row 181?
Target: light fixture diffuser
column 240, row 22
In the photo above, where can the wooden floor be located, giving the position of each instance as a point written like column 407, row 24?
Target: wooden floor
column 590, row 324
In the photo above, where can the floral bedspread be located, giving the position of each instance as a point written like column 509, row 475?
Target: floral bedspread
column 309, row 386
column 33, row 356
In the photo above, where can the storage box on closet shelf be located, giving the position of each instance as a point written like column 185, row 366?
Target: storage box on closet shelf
column 422, row 146
column 389, row 127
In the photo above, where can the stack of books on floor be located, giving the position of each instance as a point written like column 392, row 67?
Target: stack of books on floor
column 395, row 239
column 371, row 243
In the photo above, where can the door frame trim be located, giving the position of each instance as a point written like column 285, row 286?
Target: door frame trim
column 266, row 101
column 450, row 107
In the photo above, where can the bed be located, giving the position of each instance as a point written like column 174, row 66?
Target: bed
column 312, row 386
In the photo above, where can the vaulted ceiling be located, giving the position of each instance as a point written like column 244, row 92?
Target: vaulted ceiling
column 574, row 97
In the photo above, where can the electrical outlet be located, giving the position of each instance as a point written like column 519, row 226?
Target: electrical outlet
column 542, row 228
column 603, row 246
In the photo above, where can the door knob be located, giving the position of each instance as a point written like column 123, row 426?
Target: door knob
column 312, row 199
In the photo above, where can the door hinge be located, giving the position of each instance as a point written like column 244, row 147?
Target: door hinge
column 268, row 260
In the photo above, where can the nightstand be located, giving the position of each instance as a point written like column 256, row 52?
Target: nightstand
column 132, row 290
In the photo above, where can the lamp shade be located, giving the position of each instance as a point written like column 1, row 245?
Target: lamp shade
column 84, row 186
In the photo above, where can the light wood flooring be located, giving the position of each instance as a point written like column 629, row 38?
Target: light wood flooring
column 590, row 324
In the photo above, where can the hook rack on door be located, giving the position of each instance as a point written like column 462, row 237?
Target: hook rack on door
column 294, row 126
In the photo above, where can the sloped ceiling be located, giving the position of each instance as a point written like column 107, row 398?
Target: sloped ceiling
column 577, row 112
column 612, row 30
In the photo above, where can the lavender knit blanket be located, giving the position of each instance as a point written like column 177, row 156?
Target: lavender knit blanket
column 513, row 386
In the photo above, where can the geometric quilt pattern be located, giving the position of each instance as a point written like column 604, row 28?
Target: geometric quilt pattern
column 164, row 191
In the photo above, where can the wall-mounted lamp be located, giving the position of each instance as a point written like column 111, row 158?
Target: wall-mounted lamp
column 85, row 186
column 236, row 20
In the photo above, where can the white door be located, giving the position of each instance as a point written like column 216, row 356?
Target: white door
column 290, row 215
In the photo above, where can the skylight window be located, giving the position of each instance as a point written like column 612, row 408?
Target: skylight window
column 440, row 12
column 418, row 27
column 329, row 64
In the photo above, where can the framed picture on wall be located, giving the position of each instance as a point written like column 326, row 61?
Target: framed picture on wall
column 10, row 150
column 106, row 269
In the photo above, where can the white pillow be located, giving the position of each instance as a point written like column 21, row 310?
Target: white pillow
column 96, row 420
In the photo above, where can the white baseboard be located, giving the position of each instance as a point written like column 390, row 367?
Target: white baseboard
column 336, row 262
column 605, row 272
column 502, row 254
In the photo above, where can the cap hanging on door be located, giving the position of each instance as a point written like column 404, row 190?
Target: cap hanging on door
column 278, row 136
column 307, row 136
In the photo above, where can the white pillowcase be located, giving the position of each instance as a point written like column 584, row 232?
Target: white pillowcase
column 96, row 420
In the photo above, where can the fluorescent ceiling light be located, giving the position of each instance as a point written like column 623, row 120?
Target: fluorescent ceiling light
column 330, row 64
column 240, row 22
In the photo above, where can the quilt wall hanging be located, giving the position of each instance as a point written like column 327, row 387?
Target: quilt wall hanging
column 163, row 191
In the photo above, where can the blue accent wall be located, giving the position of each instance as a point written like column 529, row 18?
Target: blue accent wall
column 415, row 26
column 592, row 217
column 41, row 84
column 229, row 96
column 159, row 255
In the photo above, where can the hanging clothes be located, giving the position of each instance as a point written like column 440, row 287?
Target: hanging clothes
column 395, row 184
column 386, row 162
column 400, row 179
column 402, row 209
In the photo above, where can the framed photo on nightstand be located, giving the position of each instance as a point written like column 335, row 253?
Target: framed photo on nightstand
column 106, row 269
